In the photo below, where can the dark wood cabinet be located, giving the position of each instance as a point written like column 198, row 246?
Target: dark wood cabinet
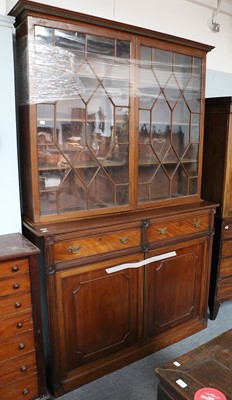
column 110, row 130
column 216, row 186
column 22, row 365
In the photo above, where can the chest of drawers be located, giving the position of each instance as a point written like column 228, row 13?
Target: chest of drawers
column 21, row 347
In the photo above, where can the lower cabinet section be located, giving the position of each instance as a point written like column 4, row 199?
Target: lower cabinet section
column 221, row 277
column 101, row 321
column 112, row 302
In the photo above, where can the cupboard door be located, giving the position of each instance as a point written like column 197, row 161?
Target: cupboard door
column 169, row 124
column 176, row 288
column 99, row 312
column 82, row 120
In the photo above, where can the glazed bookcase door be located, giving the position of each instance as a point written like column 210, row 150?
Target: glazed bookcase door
column 83, row 113
column 169, row 102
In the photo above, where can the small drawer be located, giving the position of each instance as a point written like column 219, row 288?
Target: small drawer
column 13, row 284
column 170, row 229
column 13, row 268
column 15, row 303
column 225, row 267
column 227, row 230
column 224, row 290
column 15, row 324
column 88, row 246
column 17, row 368
column 25, row 389
column 226, row 250
column 17, row 345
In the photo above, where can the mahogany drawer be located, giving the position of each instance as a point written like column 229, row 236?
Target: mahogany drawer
column 15, row 346
column 226, row 250
column 227, row 230
column 12, row 284
column 15, row 303
column 15, row 324
column 78, row 248
column 224, row 290
column 169, row 229
column 15, row 267
column 17, row 368
column 23, row 389
column 225, row 266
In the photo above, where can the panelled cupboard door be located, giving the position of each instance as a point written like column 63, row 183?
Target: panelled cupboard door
column 99, row 312
column 176, row 288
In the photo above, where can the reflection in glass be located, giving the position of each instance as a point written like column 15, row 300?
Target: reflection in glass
column 169, row 124
column 83, row 136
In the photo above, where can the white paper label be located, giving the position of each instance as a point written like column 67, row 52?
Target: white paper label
column 181, row 383
column 140, row 263
column 176, row 363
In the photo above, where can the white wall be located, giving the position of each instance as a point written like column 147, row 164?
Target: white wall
column 185, row 18
column 10, row 220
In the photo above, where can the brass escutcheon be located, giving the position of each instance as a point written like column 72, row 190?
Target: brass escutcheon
column 74, row 249
column 197, row 223
column 162, row 231
column 124, row 240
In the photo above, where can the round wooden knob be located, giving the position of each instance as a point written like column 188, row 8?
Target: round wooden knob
column 15, row 268
column 23, row 368
column 19, row 325
column 16, row 286
column 21, row 346
column 17, row 304
column 25, row 391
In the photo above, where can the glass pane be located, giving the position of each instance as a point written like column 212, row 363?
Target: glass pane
column 71, row 194
column 71, row 41
column 117, row 84
column 122, row 195
column 100, row 54
column 43, row 35
column 160, row 186
column 195, row 128
column 48, row 204
column 162, row 65
column 169, row 124
column 101, row 192
column 122, row 49
column 179, row 183
column 182, row 69
column 122, row 124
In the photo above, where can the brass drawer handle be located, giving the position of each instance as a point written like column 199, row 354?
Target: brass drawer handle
column 15, row 268
column 16, row 286
column 74, row 249
column 22, row 346
column 162, row 231
column 124, row 240
column 197, row 223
